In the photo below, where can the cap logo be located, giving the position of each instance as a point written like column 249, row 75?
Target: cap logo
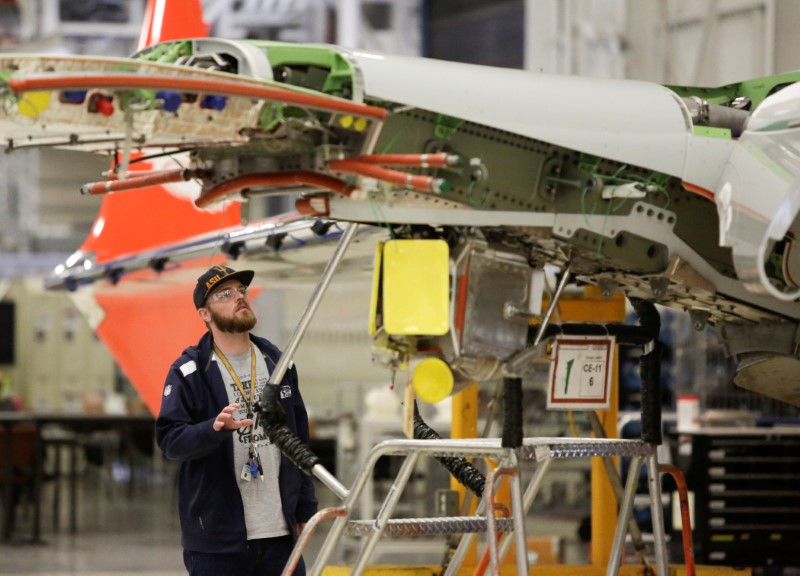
column 214, row 279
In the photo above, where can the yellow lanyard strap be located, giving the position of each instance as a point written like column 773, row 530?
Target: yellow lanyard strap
column 232, row 372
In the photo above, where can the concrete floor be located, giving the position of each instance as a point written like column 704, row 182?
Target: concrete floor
column 135, row 532
column 118, row 532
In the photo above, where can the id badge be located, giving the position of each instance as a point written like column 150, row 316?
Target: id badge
column 246, row 474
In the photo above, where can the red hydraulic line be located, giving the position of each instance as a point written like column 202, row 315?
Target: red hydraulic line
column 461, row 303
column 221, row 87
column 438, row 160
column 686, row 521
column 422, row 183
column 295, row 178
column 137, row 182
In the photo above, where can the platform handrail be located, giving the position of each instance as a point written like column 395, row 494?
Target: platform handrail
column 542, row 449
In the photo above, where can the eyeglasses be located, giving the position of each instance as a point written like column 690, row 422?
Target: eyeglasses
column 228, row 293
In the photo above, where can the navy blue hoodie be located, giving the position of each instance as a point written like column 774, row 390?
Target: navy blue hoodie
column 210, row 505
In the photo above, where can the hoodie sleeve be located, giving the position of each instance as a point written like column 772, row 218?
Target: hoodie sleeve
column 179, row 433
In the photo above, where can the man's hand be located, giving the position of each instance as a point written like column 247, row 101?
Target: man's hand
column 225, row 421
column 300, row 527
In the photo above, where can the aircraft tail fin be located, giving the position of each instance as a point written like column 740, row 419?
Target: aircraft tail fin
column 145, row 330
column 131, row 222
column 165, row 20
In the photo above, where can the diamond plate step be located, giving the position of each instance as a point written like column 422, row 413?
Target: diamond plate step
column 404, row 527
column 542, row 448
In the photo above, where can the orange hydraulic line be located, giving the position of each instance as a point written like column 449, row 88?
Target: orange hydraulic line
column 480, row 569
column 138, row 81
column 422, row 183
column 156, row 178
column 295, row 177
column 492, row 507
column 316, row 520
column 316, row 205
column 750, row 213
column 111, row 175
column 686, row 522
column 707, row 194
column 439, row 159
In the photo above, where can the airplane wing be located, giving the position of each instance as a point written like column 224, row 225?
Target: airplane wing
column 650, row 190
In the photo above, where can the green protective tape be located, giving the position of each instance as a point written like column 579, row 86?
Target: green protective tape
column 589, row 163
column 711, row 132
column 4, row 91
column 780, row 125
column 152, row 55
column 446, row 126
column 167, row 53
column 272, row 114
column 773, row 166
column 339, row 73
column 755, row 90
column 177, row 50
column 129, row 97
column 659, row 179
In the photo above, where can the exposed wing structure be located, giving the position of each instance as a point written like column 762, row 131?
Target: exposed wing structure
column 291, row 248
column 683, row 196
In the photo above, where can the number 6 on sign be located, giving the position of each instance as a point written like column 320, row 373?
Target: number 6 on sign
column 580, row 374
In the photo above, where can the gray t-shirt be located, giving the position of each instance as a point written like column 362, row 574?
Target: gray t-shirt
column 263, row 514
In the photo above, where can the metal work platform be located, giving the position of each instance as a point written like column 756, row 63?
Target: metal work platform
column 501, row 532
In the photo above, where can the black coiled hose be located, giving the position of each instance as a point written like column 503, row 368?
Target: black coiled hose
column 295, row 449
column 273, row 417
column 461, row 469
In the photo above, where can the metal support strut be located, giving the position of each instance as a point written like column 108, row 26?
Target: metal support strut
column 288, row 354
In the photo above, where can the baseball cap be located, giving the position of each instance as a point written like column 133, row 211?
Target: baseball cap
column 214, row 276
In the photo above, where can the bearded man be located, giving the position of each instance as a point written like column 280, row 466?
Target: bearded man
column 241, row 503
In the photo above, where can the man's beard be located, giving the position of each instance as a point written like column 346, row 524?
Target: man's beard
column 235, row 324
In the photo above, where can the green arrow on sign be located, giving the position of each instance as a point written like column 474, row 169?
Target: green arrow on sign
column 566, row 380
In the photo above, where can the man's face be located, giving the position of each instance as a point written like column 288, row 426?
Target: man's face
column 229, row 308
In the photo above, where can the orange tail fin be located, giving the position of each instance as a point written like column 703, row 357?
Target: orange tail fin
column 145, row 328
column 167, row 20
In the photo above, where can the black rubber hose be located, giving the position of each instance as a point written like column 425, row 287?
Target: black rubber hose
column 650, row 371
column 649, row 318
column 462, row 470
column 624, row 333
column 512, row 412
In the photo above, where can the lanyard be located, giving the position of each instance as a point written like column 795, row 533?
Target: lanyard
column 232, row 372
column 253, row 465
